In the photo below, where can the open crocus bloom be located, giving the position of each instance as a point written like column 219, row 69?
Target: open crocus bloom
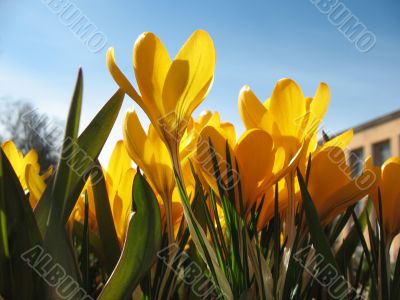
column 290, row 118
column 27, row 169
column 331, row 185
column 293, row 121
column 390, row 197
column 255, row 162
column 206, row 118
column 170, row 90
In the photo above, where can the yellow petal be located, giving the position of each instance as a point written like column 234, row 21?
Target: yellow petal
column 204, row 159
column 14, row 156
column 35, row 185
column 341, row 141
column 149, row 153
column 330, row 163
column 32, row 158
column 255, row 155
column 229, row 132
column 192, row 74
column 135, row 139
column 347, row 195
column 390, row 195
column 318, row 107
column 250, row 108
column 151, row 62
column 48, row 173
column 125, row 189
column 288, row 107
column 204, row 117
column 120, row 78
column 119, row 163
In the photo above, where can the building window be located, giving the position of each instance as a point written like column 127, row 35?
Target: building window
column 356, row 161
column 381, row 152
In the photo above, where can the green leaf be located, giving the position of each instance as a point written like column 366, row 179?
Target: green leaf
column 89, row 145
column 371, row 265
column 59, row 188
column 395, row 291
column 340, row 224
column 64, row 173
column 350, row 243
column 384, row 276
column 55, row 241
column 105, row 222
column 318, row 236
column 84, row 257
column 142, row 243
column 5, row 268
column 91, row 142
column 94, row 241
column 277, row 240
column 23, row 234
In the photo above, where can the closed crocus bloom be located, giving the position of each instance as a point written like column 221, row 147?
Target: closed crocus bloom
column 27, row 169
column 170, row 90
column 119, row 180
column 390, row 197
column 151, row 155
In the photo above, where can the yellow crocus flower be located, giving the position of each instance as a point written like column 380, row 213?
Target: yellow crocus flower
column 390, row 197
column 119, row 179
column 331, row 185
column 170, row 90
column 206, row 118
column 287, row 115
column 150, row 153
column 27, row 169
column 259, row 163
column 292, row 120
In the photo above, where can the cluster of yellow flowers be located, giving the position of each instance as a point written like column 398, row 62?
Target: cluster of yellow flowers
column 281, row 137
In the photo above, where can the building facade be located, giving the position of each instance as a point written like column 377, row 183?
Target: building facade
column 378, row 138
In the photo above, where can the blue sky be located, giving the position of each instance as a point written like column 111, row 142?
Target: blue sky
column 257, row 42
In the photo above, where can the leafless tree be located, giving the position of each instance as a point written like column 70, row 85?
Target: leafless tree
column 28, row 128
